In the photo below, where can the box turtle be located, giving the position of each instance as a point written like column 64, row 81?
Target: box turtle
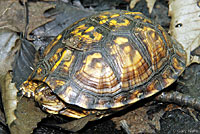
column 103, row 63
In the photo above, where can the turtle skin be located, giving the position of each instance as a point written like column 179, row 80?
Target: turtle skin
column 105, row 62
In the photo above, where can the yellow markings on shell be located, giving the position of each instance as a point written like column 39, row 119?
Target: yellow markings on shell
column 58, row 62
column 48, row 48
column 121, row 40
column 165, row 37
column 78, row 34
column 113, row 48
column 103, row 17
column 125, row 84
column 151, row 93
column 88, row 62
column 131, row 61
column 86, row 38
column 48, row 83
column 81, row 27
column 153, row 43
column 176, row 65
column 98, row 65
column 166, row 76
column 137, row 58
column 114, row 15
column 147, row 20
column 68, row 63
column 142, row 29
column 151, row 86
column 118, row 100
column 59, row 50
column 146, row 74
column 89, row 29
column 115, row 23
column 127, row 49
column 60, row 82
column 138, row 17
column 153, row 35
column 103, row 21
column 97, row 36
column 167, row 79
column 133, row 13
column 76, row 30
column 126, row 23
column 39, row 70
column 53, row 58
column 135, row 93
column 44, row 79
column 90, row 57
column 159, row 64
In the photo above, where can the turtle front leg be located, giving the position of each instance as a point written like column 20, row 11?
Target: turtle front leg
column 54, row 105
column 51, row 103
column 48, row 101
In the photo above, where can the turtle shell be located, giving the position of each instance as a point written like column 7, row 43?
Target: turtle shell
column 109, row 60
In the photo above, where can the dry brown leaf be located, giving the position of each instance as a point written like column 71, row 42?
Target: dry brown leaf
column 36, row 16
column 133, row 3
column 185, row 24
column 12, row 13
column 21, row 119
column 9, row 98
column 150, row 5
column 27, row 116
column 21, row 113
column 8, row 48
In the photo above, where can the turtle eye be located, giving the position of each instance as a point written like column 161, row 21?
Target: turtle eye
column 41, row 99
column 41, row 50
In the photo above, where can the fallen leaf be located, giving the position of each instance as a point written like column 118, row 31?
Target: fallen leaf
column 27, row 116
column 185, row 24
column 133, row 3
column 13, row 13
column 150, row 5
column 8, row 48
column 9, row 98
column 21, row 113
